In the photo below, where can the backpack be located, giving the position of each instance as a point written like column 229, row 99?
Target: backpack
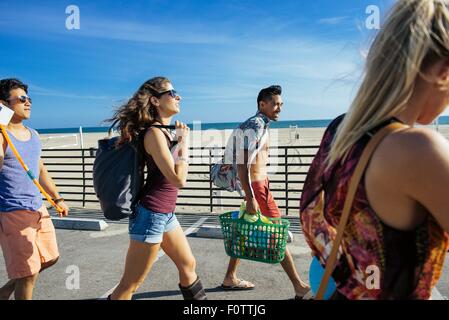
column 224, row 174
column 118, row 175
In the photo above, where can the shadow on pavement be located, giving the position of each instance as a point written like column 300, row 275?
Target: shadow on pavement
column 159, row 294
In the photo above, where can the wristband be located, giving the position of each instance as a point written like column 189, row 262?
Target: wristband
column 58, row 200
column 183, row 159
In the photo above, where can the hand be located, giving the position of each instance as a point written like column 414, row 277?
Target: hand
column 182, row 131
column 65, row 209
column 252, row 207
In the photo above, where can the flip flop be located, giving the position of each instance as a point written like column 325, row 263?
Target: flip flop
column 308, row 296
column 241, row 286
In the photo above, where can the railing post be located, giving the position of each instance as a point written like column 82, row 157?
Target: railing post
column 211, row 193
column 84, row 176
column 286, row 179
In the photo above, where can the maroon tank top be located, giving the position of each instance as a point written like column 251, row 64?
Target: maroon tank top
column 160, row 195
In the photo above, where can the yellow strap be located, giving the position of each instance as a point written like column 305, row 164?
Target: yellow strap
column 28, row 171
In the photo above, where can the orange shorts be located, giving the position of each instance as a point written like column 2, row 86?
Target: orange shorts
column 265, row 199
column 27, row 239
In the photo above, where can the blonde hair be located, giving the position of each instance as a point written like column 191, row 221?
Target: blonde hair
column 414, row 36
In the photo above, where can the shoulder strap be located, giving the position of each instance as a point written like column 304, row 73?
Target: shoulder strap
column 160, row 127
column 353, row 185
column 169, row 138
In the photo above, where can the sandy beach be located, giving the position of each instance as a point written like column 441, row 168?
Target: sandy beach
column 205, row 138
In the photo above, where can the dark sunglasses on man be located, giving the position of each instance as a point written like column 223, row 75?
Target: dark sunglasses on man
column 22, row 99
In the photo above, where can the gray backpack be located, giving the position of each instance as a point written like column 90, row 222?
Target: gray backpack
column 118, row 176
column 224, row 174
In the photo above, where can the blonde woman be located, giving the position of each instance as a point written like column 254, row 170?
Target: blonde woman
column 399, row 223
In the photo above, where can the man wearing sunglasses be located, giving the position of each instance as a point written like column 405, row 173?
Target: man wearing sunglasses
column 27, row 235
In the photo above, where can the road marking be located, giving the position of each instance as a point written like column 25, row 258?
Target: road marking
column 161, row 253
column 195, row 226
column 436, row 295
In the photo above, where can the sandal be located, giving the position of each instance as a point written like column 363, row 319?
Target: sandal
column 242, row 285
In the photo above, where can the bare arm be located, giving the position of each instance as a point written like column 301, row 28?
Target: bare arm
column 428, row 180
column 245, row 179
column 155, row 144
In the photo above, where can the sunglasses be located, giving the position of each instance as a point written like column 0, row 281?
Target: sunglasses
column 172, row 94
column 22, row 99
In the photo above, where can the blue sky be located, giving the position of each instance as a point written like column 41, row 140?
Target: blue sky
column 218, row 54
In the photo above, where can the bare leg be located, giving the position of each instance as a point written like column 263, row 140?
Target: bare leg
column 177, row 248
column 300, row 287
column 7, row 290
column 24, row 287
column 139, row 260
column 231, row 276
column 231, row 273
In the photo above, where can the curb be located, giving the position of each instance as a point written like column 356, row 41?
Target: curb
column 79, row 224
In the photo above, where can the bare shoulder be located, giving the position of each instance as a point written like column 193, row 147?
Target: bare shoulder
column 154, row 139
column 153, row 134
column 419, row 143
column 415, row 149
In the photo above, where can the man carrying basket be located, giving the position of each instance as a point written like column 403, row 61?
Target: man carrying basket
column 252, row 136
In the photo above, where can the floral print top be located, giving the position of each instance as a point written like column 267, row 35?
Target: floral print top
column 407, row 264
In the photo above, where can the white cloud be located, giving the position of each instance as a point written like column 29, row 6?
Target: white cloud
column 139, row 32
column 47, row 23
column 41, row 91
column 333, row 20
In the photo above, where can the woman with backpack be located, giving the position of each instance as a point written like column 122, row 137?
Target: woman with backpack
column 154, row 226
column 396, row 237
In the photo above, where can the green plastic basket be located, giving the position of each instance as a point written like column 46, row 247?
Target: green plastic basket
column 256, row 241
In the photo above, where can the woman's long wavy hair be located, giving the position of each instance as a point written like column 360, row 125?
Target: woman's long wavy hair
column 414, row 36
column 138, row 113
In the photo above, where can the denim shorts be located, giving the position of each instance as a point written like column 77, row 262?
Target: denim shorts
column 149, row 227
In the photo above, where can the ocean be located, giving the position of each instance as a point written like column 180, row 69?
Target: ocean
column 222, row 126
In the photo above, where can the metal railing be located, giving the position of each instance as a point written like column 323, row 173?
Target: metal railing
column 72, row 171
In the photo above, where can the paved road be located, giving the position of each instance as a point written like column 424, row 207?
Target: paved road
column 99, row 257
